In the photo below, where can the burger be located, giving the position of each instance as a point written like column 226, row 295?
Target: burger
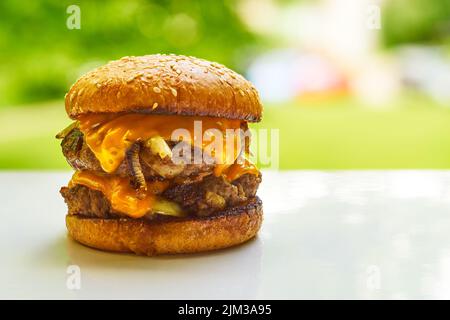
column 150, row 176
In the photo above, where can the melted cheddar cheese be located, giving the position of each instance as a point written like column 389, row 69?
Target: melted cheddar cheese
column 110, row 135
column 120, row 193
column 237, row 170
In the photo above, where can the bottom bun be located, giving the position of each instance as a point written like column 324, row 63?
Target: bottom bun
column 169, row 235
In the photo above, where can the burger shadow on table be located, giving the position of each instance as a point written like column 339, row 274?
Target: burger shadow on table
column 232, row 272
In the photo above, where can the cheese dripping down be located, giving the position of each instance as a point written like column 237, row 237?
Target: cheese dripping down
column 110, row 135
column 123, row 196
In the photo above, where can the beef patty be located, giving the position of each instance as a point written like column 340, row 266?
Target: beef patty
column 202, row 198
column 80, row 157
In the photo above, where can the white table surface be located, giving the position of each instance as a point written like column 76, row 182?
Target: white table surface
column 344, row 234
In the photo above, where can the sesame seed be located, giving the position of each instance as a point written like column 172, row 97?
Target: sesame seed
column 241, row 92
column 178, row 71
column 174, row 91
column 156, row 90
column 155, row 105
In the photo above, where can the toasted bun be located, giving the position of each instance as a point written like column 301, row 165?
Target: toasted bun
column 194, row 234
column 165, row 84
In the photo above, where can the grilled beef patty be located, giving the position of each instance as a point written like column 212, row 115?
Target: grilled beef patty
column 202, row 198
column 80, row 157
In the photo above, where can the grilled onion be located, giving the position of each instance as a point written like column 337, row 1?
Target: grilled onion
column 159, row 146
column 165, row 207
column 62, row 134
column 136, row 174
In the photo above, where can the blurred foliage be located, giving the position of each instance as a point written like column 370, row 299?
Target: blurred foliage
column 41, row 57
column 415, row 21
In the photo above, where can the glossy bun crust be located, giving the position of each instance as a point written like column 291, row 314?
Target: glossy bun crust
column 165, row 84
column 168, row 236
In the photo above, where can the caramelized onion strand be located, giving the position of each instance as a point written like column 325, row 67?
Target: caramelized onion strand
column 136, row 174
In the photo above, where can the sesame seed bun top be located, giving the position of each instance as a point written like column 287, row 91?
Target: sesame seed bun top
column 165, row 84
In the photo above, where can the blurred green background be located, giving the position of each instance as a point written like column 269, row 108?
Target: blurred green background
column 350, row 84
